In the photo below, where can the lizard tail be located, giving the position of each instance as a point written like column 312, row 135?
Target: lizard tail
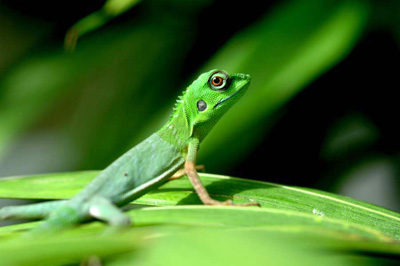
column 32, row 211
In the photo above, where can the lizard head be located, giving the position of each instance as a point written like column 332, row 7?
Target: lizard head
column 209, row 97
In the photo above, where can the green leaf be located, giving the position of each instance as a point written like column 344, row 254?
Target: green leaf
column 210, row 246
column 65, row 248
column 305, row 207
column 177, row 245
column 277, row 220
column 293, row 224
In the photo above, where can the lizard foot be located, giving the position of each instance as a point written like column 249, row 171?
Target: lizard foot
column 230, row 203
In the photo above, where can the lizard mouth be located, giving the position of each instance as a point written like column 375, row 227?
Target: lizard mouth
column 242, row 88
column 225, row 99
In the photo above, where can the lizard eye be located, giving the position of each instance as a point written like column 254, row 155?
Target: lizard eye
column 219, row 81
column 216, row 81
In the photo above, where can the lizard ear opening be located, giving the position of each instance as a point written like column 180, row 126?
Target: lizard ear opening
column 201, row 105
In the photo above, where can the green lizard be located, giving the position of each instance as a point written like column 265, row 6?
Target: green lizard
column 151, row 162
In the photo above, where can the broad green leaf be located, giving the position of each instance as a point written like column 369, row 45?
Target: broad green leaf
column 279, row 220
column 283, row 52
column 285, row 222
column 219, row 245
column 285, row 200
column 237, row 247
column 61, row 249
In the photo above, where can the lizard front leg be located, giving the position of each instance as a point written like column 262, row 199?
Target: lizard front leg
column 190, row 169
column 180, row 173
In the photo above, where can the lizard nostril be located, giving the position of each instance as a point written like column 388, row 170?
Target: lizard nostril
column 243, row 76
